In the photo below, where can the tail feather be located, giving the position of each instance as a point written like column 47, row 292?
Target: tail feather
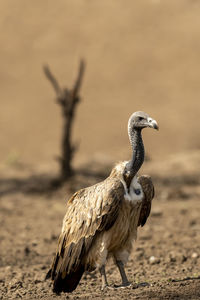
column 69, row 283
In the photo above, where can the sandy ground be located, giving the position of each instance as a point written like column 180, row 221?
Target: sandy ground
column 140, row 55
column 31, row 222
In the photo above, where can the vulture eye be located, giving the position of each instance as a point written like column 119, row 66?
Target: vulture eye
column 140, row 118
column 137, row 191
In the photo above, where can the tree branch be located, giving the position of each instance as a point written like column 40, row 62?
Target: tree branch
column 53, row 81
column 79, row 79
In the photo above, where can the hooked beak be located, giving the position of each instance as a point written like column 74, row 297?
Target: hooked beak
column 152, row 123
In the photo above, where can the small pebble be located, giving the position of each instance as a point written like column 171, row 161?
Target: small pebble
column 154, row 260
column 156, row 213
column 34, row 243
column 27, row 250
column 194, row 255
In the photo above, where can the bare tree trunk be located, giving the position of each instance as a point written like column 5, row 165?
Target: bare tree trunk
column 68, row 100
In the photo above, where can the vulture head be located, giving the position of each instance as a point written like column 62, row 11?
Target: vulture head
column 140, row 120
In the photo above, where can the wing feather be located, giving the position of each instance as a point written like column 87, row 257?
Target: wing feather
column 148, row 189
column 89, row 211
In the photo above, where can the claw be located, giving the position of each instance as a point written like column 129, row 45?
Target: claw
column 123, row 286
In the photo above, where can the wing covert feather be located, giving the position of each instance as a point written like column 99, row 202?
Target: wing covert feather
column 148, row 189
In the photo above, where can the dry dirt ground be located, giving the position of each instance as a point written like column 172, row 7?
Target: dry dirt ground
column 140, row 55
column 166, row 256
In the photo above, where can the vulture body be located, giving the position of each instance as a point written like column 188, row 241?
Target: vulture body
column 102, row 220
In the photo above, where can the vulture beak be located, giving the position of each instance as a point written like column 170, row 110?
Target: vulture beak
column 152, row 123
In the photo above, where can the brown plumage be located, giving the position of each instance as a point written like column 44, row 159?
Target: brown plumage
column 148, row 189
column 101, row 221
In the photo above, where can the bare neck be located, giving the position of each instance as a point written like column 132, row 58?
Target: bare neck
column 138, row 153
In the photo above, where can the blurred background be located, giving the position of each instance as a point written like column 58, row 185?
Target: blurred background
column 140, row 55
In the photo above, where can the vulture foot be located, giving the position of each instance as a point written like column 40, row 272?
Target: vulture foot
column 123, row 286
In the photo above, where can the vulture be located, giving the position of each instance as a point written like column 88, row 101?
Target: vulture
column 101, row 221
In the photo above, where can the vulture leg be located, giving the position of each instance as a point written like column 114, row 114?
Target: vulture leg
column 103, row 277
column 120, row 266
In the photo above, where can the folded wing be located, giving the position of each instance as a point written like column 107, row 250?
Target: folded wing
column 148, row 189
column 89, row 212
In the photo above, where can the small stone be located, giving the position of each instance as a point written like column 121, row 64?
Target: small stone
column 174, row 257
column 182, row 258
column 156, row 213
column 27, row 250
column 154, row 260
column 192, row 222
column 37, row 281
column 34, row 243
column 194, row 255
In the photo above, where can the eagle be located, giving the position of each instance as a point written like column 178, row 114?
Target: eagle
column 101, row 221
